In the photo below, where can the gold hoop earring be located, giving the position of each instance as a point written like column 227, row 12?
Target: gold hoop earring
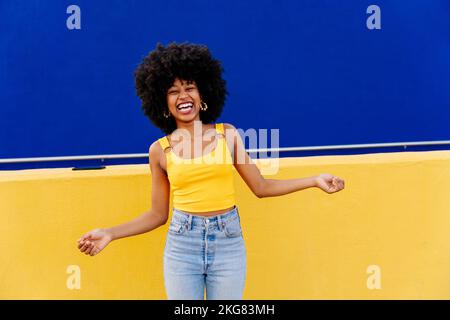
column 203, row 106
column 166, row 115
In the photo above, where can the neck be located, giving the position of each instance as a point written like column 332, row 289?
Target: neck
column 194, row 127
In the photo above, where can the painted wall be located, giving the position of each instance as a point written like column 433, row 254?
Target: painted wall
column 385, row 236
column 312, row 69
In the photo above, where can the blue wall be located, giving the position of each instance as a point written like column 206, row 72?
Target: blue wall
column 310, row 68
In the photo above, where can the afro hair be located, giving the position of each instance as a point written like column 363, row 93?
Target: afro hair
column 186, row 61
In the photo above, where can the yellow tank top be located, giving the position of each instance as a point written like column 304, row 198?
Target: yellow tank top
column 202, row 183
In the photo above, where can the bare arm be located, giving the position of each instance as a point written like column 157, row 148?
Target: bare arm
column 157, row 215
column 272, row 187
column 263, row 187
column 96, row 240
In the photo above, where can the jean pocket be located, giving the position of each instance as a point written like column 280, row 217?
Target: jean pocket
column 177, row 228
column 233, row 227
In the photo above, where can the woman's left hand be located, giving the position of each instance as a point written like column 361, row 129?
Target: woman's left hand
column 329, row 183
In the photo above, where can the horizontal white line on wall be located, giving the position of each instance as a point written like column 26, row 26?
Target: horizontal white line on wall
column 286, row 149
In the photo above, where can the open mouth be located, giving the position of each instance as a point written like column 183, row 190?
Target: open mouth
column 185, row 107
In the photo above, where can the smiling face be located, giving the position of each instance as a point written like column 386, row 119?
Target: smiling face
column 183, row 100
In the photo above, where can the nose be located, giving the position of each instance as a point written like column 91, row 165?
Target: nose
column 183, row 94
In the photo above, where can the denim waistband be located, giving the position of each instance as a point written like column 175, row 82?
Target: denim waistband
column 190, row 220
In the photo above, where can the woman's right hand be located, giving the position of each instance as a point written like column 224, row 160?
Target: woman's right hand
column 94, row 241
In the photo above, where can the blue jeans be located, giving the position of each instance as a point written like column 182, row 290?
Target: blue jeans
column 204, row 254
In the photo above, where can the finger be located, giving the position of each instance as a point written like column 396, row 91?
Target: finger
column 86, row 246
column 337, row 181
column 335, row 187
column 83, row 247
column 85, row 237
column 94, row 251
column 85, row 243
column 90, row 249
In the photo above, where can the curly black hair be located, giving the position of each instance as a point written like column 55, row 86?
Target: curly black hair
column 186, row 61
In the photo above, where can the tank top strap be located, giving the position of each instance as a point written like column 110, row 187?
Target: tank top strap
column 164, row 142
column 220, row 128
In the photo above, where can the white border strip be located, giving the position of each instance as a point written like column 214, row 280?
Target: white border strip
column 287, row 149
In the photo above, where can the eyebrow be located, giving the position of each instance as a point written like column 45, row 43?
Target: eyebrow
column 187, row 82
column 182, row 82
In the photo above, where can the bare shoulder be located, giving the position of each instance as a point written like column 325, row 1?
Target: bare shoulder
column 230, row 130
column 232, row 137
column 155, row 151
column 155, row 148
column 229, row 126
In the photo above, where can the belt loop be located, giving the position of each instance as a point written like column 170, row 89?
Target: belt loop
column 220, row 222
column 189, row 223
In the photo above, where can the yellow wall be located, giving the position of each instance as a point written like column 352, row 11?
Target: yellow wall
column 394, row 213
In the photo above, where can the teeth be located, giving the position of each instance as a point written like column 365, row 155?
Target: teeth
column 184, row 105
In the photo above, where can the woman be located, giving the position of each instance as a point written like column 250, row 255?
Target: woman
column 183, row 93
